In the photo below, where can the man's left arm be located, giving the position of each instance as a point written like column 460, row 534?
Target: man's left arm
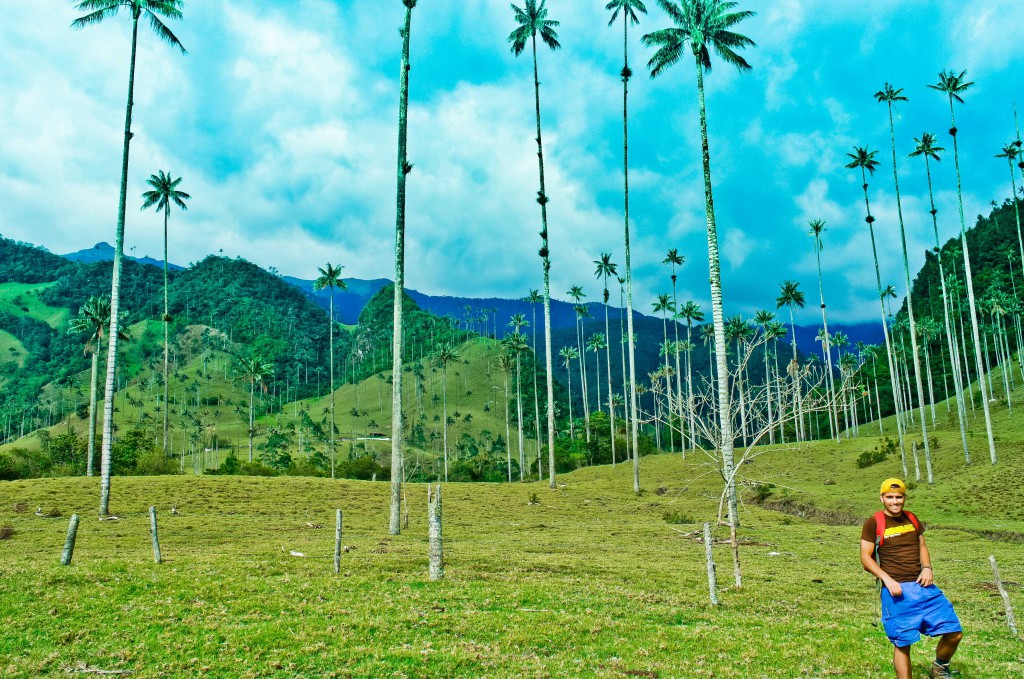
column 926, row 578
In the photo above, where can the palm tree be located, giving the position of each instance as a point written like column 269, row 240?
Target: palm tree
column 629, row 9
column 404, row 167
column 791, row 296
column 97, row 12
column 596, row 343
column 533, row 19
column 674, row 259
column 93, row 317
column 534, row 298
column 738, row 330
column 691, row 312
column 577, row 294
column 927, row 148
column 606, row 268
column 444, row 355
column 664, row 306
column 506, row 363
column 817, row 227
column 953, row 86
column 569, row 354
column 889, row 95
column 764, row 318
column 1010, row 152
column 256, row 370
column 164, row 193
column 331, row 278
column 864, row 160
column 705, row 24
column 516, row 345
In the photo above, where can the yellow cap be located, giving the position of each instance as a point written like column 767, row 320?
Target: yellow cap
column 893, row 486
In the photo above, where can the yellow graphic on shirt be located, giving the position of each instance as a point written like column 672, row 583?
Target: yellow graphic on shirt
column 899, row 530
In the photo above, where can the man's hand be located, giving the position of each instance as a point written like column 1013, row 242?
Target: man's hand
column 893, row 586
column 925, row 579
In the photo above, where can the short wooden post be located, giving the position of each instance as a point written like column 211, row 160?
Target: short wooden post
column 1006, row 597
column 155, row 537
column 69, row 543
column 436, row 538
column 709, row 557
column 337, row 542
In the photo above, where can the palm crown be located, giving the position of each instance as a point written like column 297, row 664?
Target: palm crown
column 952, row 84
column 532, row 19
column 703, row 24
column 629, row 8
column 889, row 94
column 329, row 278
column 100, row 10
column 863, row 158
column 790, row 295
column 926, row 146
column 164, row 192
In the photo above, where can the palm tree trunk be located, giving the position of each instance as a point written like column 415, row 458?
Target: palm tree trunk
column 798, row 403
column 92, row 407
column 970, row 290
column 910, row 306
column 608, row 365
column 508, row 433
column 403, row 168
column 167, row 318
column 252, row 418
column 827, row 349
column 536, row 396
column 115, row 288
column 689, row 384
column 725, row 418
column 519, row 422
column 542, row 198
column 444, row 416
column 634, row 434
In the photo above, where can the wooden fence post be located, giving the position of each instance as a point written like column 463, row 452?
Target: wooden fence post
column 153, row 534
column 1006, row 597
column 709, row 557
column 337, row 542
column 69, row 542
column 436, row 538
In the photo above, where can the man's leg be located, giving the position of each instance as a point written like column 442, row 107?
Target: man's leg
column 901, row 661
column 947, row 646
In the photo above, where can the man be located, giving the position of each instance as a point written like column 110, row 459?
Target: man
column 911, row 604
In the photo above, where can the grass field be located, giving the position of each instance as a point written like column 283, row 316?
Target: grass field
column 23, row 298
column 591, row 581
column 11, row 349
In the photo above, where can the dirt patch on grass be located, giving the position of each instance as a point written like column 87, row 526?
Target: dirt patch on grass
column 805, row 510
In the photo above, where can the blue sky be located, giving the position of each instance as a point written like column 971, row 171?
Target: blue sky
column 282, row 121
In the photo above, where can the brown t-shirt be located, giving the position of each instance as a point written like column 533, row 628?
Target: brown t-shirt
column 900, row 553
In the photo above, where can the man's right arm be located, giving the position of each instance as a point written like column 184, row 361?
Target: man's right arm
column 867, row 560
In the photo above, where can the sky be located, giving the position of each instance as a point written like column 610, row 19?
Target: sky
column 282, row 121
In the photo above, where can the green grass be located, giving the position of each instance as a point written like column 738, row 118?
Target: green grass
column 23, row 299
column 590, row 582
column 11, row 349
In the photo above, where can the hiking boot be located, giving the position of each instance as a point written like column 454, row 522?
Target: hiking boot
column 940, row 671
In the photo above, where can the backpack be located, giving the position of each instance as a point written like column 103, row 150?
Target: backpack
column 880, row 527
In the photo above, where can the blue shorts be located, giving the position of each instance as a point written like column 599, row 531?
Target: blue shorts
column 919, row 609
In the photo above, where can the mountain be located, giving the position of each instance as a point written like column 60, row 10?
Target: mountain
column 104, row 252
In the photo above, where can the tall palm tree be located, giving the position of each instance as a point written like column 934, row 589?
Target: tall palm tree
column 704, row 25
column 506, row 363
column 889, row 95
column 597, row 342
column 98, row 11
column 764, row 318
column 953, row 85
column 817, row 227
column 444, row 355
column 164, row 193
column 569, row 354
column 864, row 159
column 533, row 19
column 926, row 148
column 664, row 306
column 330, row 277
column 534, row 298
column 606, row 268
column 791, row 296
column 1010, row 152
column 629, row 9
column 256, row 370
column 577, row 294
column 674, row 259
column 404, row 167
column 93, row 317
column 516, row 345
column 691, row 312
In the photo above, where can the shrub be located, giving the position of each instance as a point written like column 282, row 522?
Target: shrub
column 6, row 532
column 761, row 492
column 870, row 457
column 677, row 518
